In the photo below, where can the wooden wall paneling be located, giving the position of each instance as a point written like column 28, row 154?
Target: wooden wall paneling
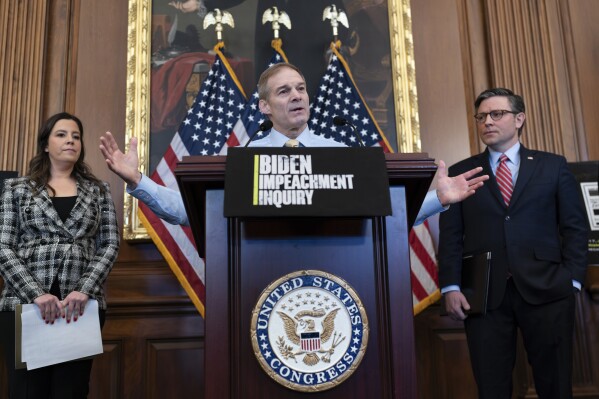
column 160, row 353
column 583, row 58
column 586, row 347
column 513, row 69
column 22, row 39
column 175, row 368
column 528, row 55
column 107, row 371
column 97, row 93
column 4, row 32
column 566, row 80
column 59, row 71
column 100, row 83
column 153, row 334
column 592, row 282
column 473, row 42
column 443, row 362
column 442, row 107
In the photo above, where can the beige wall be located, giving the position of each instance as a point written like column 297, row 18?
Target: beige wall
column 442, row 104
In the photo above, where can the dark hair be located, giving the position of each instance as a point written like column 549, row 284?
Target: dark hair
column 39, row 166
column 263, row 89
column 516, row 101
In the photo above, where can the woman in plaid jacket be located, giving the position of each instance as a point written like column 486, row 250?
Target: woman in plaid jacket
column 58, row 241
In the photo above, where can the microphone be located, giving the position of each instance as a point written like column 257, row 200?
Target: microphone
column 267, row 124
column 341, row 121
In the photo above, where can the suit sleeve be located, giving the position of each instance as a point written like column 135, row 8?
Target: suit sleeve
column 107, row 247
column 12, row 268
column 573, row 224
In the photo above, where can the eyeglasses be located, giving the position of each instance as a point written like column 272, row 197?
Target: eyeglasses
column 496, row 115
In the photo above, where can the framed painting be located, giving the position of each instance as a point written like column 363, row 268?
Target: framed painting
column 169, row 54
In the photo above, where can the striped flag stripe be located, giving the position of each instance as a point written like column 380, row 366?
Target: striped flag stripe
column 424, row 273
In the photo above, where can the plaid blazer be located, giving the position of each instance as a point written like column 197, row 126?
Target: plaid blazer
column 36, row 246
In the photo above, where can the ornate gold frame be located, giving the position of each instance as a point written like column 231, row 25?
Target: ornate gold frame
column 138, row 91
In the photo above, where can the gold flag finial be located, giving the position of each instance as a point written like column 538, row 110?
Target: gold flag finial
column 337, row 16
column 218, row 18
column 277, row 18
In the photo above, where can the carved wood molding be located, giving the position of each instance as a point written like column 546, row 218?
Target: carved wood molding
column 527, row 42
column 22, row 39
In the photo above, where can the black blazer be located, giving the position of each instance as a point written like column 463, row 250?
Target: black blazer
column 541, row 238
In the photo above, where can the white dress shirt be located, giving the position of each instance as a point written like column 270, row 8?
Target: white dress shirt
column 307, row 138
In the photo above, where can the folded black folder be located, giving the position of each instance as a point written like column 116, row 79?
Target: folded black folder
column 476, row 270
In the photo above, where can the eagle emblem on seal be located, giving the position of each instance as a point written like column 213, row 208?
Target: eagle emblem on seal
column 309, row 340
column 309, row 330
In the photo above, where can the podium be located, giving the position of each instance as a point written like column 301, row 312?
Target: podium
column 243, row 256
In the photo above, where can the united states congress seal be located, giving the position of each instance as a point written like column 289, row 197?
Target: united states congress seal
column 309, row 330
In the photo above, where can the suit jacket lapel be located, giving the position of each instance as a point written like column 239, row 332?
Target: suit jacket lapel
column 527, row 167
column 85, row 196
column 42, row 199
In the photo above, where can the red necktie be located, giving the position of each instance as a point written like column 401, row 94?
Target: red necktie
column 504, row 179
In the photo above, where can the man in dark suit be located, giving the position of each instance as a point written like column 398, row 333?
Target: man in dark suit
column 537, row 233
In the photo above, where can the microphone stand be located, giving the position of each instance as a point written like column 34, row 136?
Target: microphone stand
column 267, row 124
column 340, row 121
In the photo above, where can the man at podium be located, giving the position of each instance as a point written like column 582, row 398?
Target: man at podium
column 284, row 100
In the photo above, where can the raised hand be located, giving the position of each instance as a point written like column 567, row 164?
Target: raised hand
column 126, row 166
column 455, row 189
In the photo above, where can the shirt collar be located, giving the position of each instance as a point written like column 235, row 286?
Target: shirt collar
column 512, row 153
column 278, row 139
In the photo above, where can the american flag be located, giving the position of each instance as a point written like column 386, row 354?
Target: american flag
column 338, row 95
column 204, row 131
column 423, row 264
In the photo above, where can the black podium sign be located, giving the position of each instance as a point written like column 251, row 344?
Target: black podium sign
column 306, row 182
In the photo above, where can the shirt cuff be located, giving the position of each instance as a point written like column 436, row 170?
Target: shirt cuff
column 144, row 184
column 450, row 288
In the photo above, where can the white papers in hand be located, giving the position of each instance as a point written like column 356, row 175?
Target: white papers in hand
column 47, row 344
